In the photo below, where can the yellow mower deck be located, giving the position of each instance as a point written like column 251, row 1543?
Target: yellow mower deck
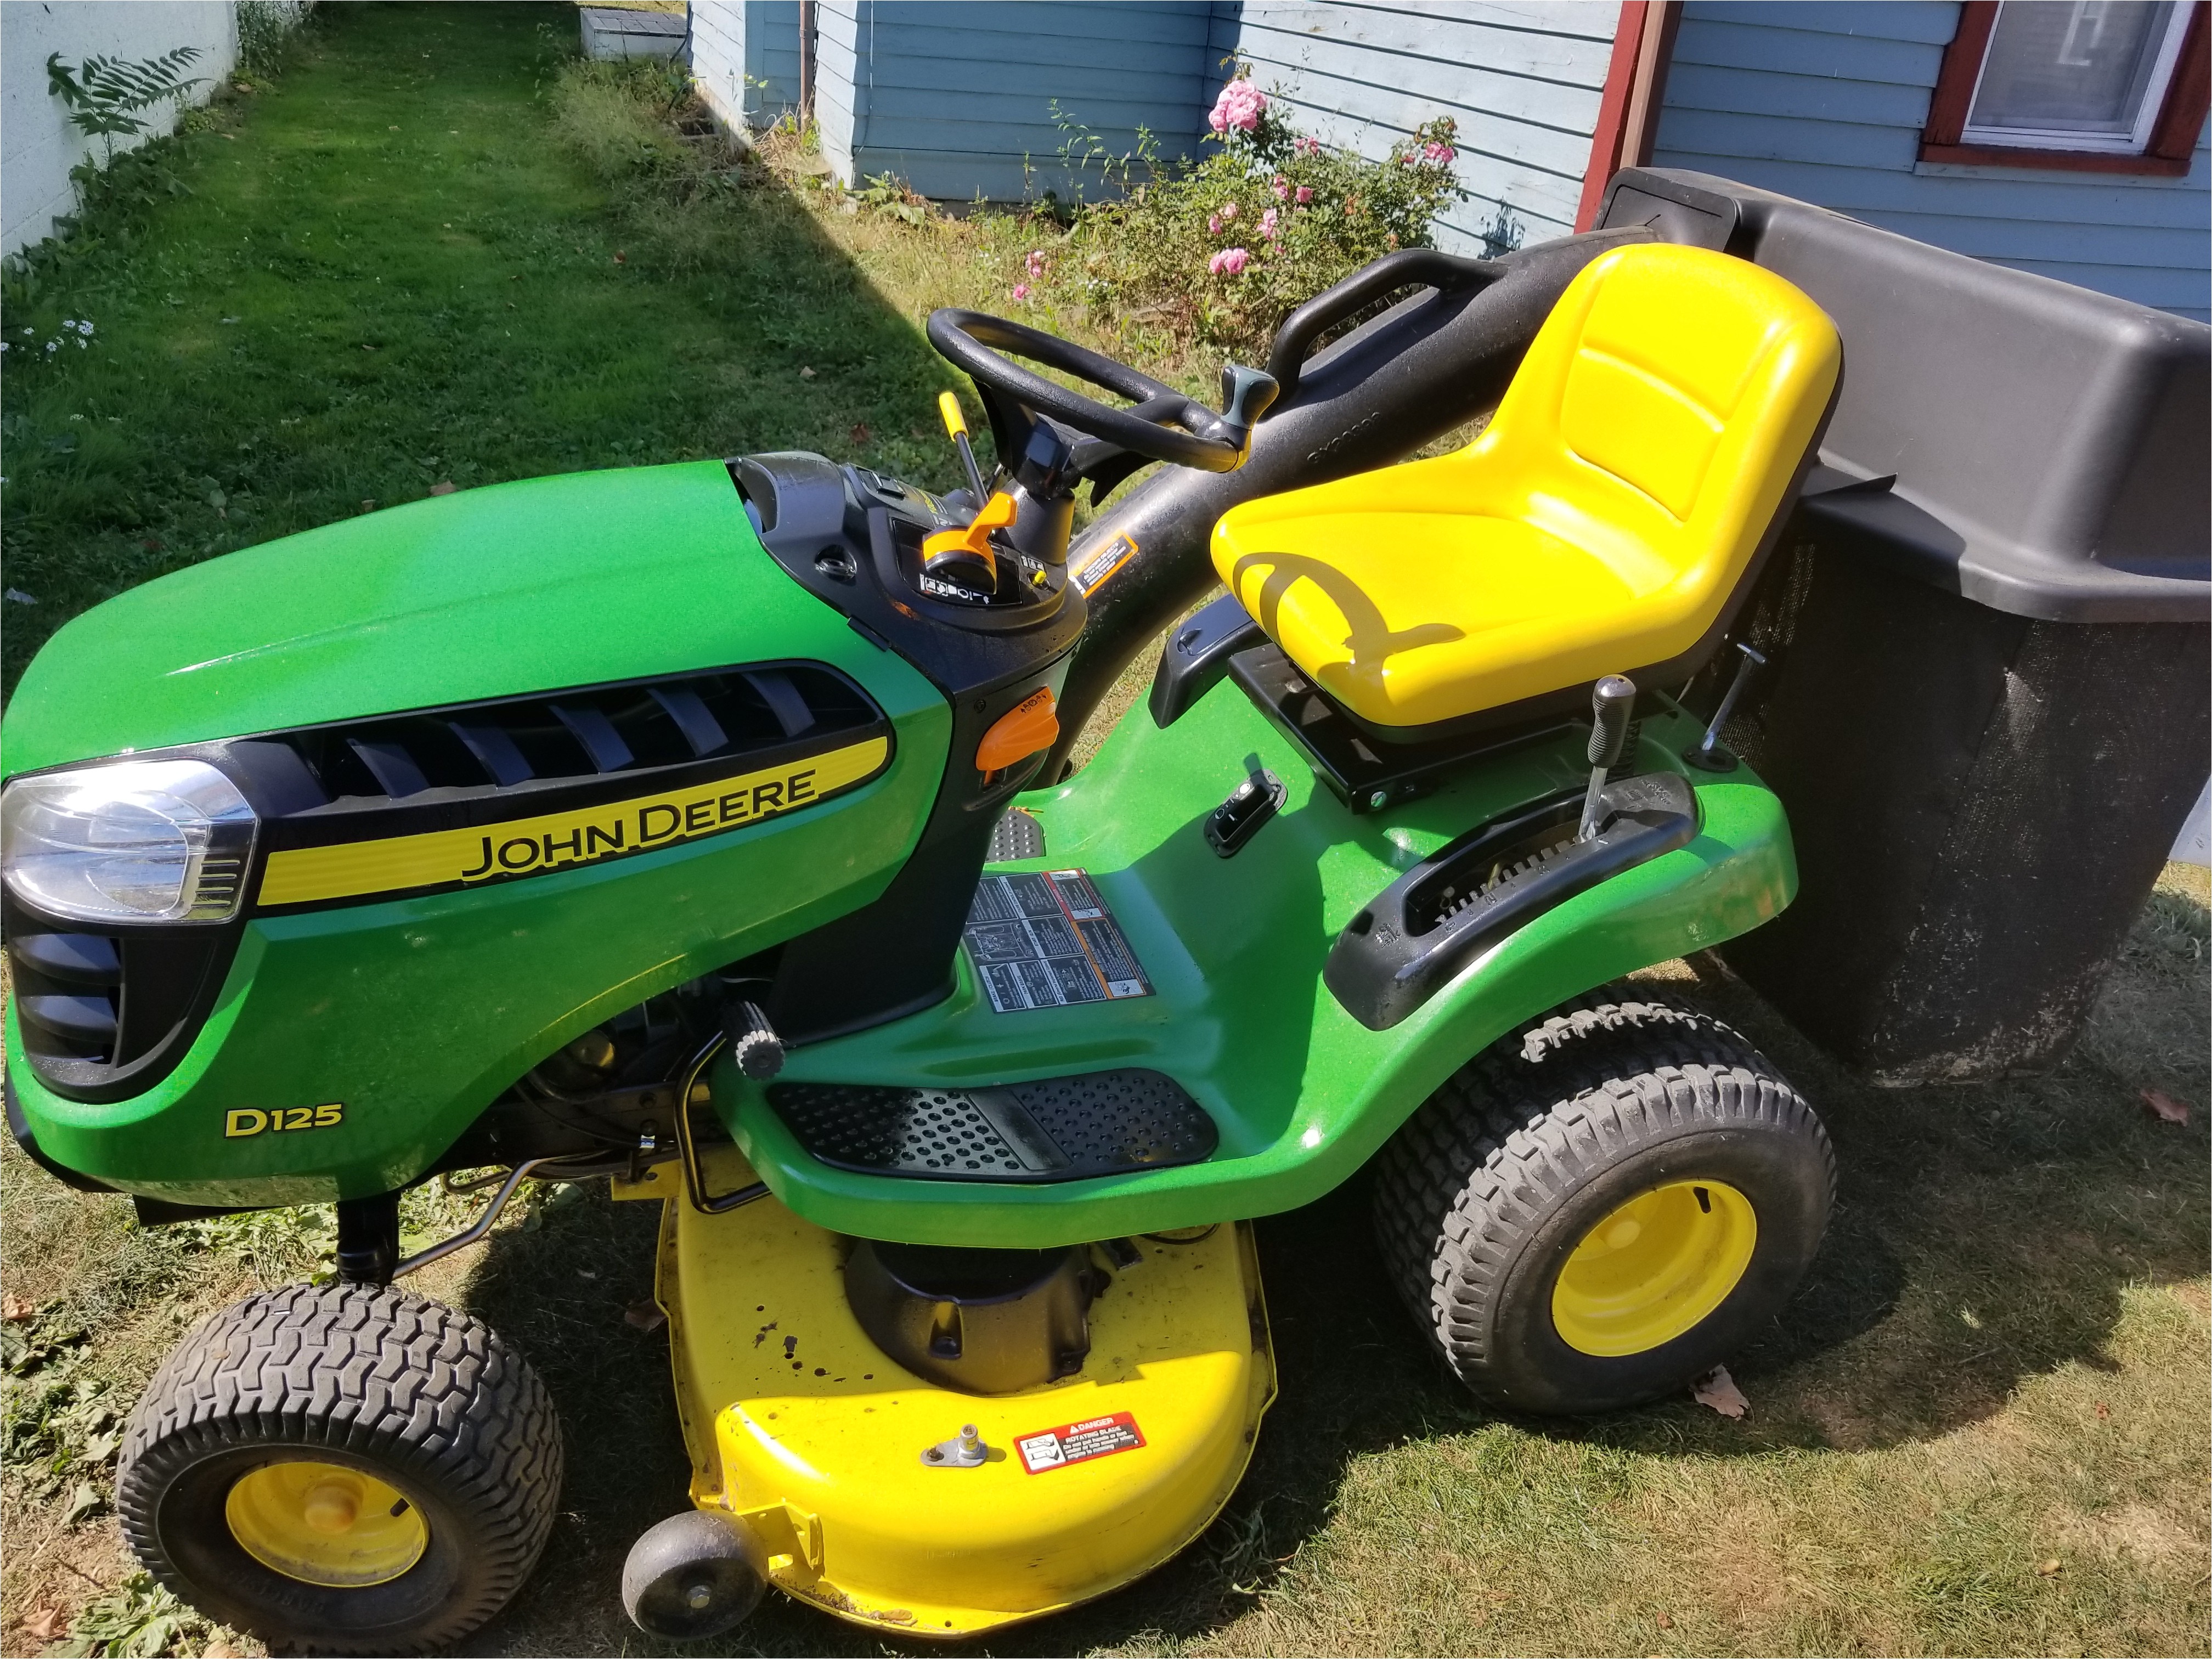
column 801, row 1426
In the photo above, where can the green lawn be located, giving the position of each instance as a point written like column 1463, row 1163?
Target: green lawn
column 1981, row 1428
column 387, row 275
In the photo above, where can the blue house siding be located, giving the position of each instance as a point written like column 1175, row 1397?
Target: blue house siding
column 1522, row 80
column 1825, row 102
column 744, row 56
column 959, row 99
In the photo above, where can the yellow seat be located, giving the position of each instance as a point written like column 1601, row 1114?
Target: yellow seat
column 1600, row 524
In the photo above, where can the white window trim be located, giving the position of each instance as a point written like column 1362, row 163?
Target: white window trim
column 2134, row 143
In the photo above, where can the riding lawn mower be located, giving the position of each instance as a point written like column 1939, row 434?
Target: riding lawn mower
column 710, row 830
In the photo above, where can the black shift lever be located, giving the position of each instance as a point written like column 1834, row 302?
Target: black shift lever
column 1611, row 699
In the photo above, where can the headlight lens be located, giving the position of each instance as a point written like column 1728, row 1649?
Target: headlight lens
column 138, row 841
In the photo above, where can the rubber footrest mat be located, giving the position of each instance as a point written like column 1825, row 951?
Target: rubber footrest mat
column 1060, row 1128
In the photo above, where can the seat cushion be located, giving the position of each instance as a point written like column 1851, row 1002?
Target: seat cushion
column 1411, row 617
column 1601, row 524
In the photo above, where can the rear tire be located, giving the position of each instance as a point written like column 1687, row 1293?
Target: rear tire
column 349, row 1469
column 1498, row 1204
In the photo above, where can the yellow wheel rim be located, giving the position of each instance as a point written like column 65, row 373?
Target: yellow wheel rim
column 324, row 1524
column 1653, row 1268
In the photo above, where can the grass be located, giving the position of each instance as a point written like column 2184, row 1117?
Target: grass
column 1999, row 1363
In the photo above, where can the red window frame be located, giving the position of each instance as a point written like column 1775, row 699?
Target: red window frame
column 2173, row 138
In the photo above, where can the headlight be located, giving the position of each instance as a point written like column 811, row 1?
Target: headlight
column 138, row 841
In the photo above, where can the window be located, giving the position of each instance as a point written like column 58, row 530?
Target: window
column 2106, row 85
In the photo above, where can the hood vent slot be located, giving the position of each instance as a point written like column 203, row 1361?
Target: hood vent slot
column 578, row 735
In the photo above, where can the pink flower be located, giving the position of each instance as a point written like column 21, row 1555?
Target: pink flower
column 1229, row 209
column 1036, row 263
column 1021, row 290
column 1240, row 105
column 1306, row 147
column 1230, row 262
column 1406, row 160
column 1305, row 194
column 1267, row 225
column 1281, row 187
column 1213, row 224
column 1442, row 153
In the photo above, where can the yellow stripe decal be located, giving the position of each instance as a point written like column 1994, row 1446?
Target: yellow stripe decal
column 562, row 840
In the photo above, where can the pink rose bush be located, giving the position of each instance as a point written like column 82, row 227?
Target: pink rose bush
column 1171, row 251
column 1241, row 106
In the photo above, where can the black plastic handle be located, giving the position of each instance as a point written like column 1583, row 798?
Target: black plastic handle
column 1423, row 265
column 1611, row 699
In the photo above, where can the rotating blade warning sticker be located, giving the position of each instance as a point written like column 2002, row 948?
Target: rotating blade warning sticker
column 1045, row 938
column 1078, row 1443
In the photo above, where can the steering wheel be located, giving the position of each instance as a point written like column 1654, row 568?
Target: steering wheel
column 1162, row 425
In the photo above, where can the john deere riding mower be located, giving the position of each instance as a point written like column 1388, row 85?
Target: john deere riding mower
column 706, row 827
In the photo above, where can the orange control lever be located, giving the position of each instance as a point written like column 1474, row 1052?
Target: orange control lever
column 973, row 542
column 1030, row 724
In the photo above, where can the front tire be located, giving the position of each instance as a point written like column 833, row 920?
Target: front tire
column 347, row 1469
column 1603, row 1206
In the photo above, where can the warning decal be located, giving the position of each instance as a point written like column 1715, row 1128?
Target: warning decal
column 1044, row 940
column 1078, row 1443
column 1093, row 568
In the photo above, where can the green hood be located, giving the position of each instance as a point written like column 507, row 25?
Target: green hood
column 500, row 592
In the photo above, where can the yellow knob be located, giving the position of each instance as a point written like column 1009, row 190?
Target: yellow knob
column 955, row 423
column 330, row 1507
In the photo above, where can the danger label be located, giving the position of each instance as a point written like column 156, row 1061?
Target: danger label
column 1078, row 1443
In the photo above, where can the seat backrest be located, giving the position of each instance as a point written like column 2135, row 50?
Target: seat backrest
column 1663, row 414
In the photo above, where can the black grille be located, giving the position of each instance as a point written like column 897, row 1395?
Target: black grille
column 106, row 1014
column 573, row 735
column 1061, row 1129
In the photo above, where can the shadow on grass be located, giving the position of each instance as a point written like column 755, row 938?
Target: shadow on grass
column 1983, row 1236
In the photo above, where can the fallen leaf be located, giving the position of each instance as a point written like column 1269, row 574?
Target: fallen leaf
column 805, row 373
column 368, row 506
column 444, row 487
column 82, row 1502
column 392, row 129
column 622, row 259
column 1665, row 1623
column 646, row 1315
column 860, row 434
column 13, row 1308
column 221, row 1650
column 2104, row 1412
column 240, row 86
column 47, row 1625
column 2165, row 1108
column 2046, row 1568
column 17, row 596
column 1717, row 1388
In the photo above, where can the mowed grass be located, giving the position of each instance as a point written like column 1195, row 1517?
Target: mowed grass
column 1982, row 1428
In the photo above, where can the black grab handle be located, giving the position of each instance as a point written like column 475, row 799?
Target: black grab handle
column 1408, row 266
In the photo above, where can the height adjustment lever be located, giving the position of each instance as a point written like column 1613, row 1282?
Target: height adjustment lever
column 1611, row 699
